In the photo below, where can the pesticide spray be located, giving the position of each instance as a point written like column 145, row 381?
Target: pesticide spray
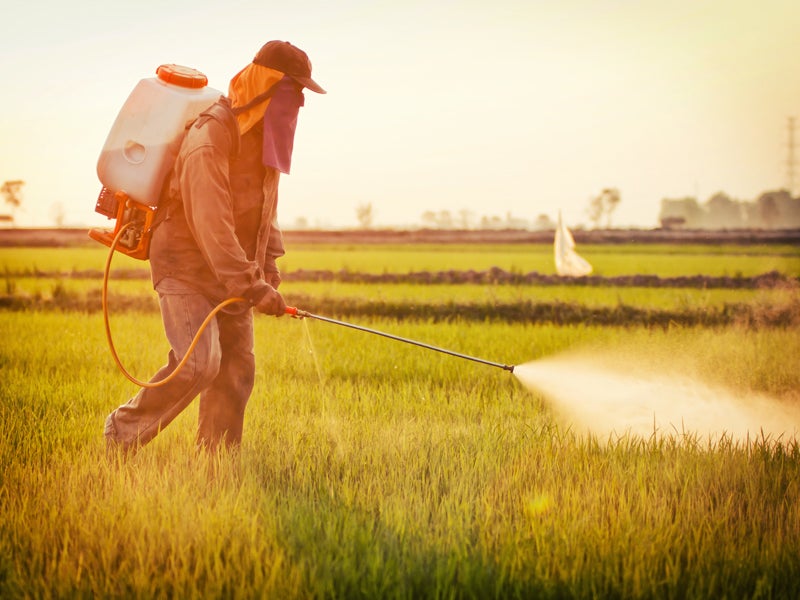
column 596, row 399
column 593, row 398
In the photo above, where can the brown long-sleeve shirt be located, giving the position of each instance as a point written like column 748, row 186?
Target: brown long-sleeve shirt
column 218, row 233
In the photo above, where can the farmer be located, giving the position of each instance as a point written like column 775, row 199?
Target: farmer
column 217, row 238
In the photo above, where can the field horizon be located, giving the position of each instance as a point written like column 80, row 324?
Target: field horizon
column 78, row 236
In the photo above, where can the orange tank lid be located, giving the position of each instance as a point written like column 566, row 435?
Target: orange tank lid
column 182, row 76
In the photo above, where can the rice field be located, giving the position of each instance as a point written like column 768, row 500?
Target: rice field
column 608, row 261
column 376, row 469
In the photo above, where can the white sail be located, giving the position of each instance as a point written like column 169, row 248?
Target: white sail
column 568, row 262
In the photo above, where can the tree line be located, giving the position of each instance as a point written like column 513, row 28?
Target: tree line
column 771, row 210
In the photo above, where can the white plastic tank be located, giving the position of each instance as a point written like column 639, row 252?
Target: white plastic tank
column 146, row 135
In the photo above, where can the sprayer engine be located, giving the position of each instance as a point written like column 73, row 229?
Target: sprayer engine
column 136, row 218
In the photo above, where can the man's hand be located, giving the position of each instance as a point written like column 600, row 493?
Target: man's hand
column 271, row 303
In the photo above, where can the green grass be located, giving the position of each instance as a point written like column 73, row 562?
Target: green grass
column 63, row 260
column 657, row 298
column 389, row 472
column 376, row 469
column 608, row 261
column 321, row 292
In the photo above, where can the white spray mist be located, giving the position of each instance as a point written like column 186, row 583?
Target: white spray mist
column 595, row 398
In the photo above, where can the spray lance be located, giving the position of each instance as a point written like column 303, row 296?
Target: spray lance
column 302, row 314
column 292, row 311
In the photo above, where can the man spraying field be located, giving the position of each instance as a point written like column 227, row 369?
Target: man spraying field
column 216, row 237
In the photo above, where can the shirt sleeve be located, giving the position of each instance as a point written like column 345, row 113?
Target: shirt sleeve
column 275, row 248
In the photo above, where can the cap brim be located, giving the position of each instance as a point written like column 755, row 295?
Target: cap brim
column 309, row 83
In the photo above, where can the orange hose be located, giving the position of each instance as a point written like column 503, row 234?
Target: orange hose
column 131, row 378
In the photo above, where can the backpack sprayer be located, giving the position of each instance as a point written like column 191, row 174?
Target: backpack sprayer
column 136, row 158
column 140, row 150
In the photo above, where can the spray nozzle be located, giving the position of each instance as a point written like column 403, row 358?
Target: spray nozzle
column 295, row 312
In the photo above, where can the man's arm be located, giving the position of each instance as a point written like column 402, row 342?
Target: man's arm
column 207, row 201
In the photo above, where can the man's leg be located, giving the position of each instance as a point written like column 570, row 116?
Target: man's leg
column 143, row 416
column 222, row 404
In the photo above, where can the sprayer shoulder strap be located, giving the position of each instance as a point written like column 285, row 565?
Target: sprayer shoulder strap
column 219, row 111
column 163, row 205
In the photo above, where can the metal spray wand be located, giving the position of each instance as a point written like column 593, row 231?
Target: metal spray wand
column 302, row 314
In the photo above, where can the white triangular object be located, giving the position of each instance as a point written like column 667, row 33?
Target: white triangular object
column 568, row 262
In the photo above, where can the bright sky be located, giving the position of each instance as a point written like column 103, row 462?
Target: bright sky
column 509, row 106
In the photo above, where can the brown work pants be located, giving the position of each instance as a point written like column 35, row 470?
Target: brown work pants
column 221, row 369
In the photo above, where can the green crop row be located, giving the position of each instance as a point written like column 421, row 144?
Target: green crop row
column 608, row 261
column 593, row 296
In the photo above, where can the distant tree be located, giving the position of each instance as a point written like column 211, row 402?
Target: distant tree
column 611, row 199
column 683, row 212
column 778, row 210
column 513, row 222
column 441, row 220
column 429, row 219
column 58, row 214
column 542, row 223
column 775, row 210
column 723, row 212
column 602, row 206
column 491, row 222
column 595, row 210
column 768, row 210
column 446, row 219
column 12, row 194
column 465, row 218
column 364, row 214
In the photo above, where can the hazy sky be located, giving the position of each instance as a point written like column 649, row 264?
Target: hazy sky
column 495, row 107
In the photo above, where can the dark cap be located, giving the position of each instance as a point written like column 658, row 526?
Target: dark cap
column 288, row 59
